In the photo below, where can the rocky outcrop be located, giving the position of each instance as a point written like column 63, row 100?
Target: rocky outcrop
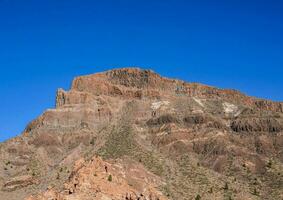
column 164, row 119
column 202, row 119
column 159, row 138
column 268, row 105
column 97, row 179
column 18, row 182
column 136, row 83
column 256, row 125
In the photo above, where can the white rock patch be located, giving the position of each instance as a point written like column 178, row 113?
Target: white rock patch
column 229, row 108
column 162, row 133
column 238, row 113
column 197, row 111
column 158, row 104
column 199, row 102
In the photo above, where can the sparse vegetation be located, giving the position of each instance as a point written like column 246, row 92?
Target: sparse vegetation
column 269, row 164
column 198, row 197
column 109, row 178
column 196, row 149
column 255, row 192
column 120, row 142
column 58, row 176
column 92, row 141
column 226, row 186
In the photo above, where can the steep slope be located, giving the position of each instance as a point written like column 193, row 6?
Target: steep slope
column 200, row 141
column 96, row 179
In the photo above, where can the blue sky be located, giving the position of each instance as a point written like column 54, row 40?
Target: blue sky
column 44, row 44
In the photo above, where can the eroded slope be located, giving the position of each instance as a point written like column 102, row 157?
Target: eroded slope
column 197, row 140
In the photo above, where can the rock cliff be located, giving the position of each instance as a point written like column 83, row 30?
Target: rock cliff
column 132, row 134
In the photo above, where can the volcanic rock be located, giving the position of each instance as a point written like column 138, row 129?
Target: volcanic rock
column 158, row 138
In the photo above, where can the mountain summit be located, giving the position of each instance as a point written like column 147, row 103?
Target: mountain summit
column 132, row 134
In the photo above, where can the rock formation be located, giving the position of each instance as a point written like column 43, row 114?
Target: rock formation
column 132, row 134
column 96, row 179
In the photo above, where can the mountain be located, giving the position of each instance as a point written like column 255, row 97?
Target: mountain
column 132, row 134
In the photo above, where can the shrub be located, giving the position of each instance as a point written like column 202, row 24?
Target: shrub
column 226, row 186
column 255, row 192
column 269, row 164
column 110, row 178
column 198, row 197
column 92, row 142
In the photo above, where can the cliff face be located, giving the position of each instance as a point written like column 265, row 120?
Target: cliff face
column 182, row 139
column 136, row 83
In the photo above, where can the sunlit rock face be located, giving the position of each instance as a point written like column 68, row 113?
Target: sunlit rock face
column 161, row 138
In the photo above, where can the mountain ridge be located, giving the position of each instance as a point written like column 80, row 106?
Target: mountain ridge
column 197, row 140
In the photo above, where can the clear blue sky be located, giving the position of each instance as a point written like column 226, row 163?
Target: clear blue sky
column 44, row 44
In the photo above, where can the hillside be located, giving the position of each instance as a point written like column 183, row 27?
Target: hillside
column 157, row 138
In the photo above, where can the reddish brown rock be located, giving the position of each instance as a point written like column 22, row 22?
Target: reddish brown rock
column 101, row 180
column 18, row 182
column 161, row 137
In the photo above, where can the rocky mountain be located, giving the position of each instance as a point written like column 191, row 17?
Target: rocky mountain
column 132, row 134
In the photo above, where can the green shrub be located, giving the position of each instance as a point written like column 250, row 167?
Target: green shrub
column 255, row 192
column 226, row 186
column 269, row 164
column 110, row 178
column 198, row 197
column 92, row 142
